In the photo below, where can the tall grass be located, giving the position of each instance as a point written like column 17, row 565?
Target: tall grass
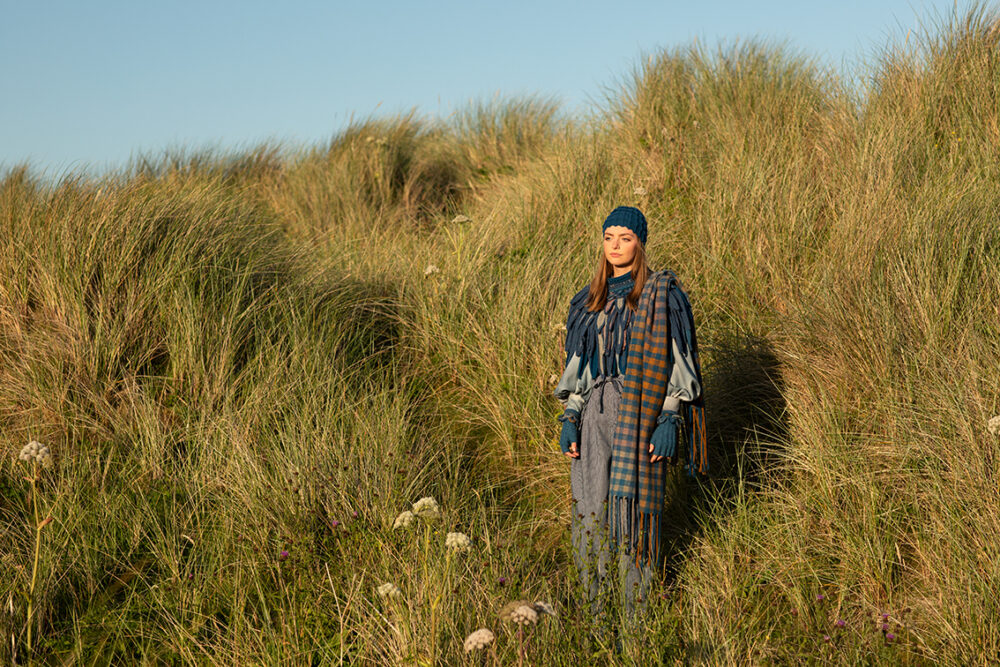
column 235, row 355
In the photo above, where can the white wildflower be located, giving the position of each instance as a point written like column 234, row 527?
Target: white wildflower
column 389, row 590
column 993, row 425
column 524, row 615
column 553, row 378
column 559, row 327
column 481, row 638
column 544, row 608
column 426, row 508
column 461, row 218
column 404, row 520
column 458, row 541
column 35, row 451
column 509, row 608
column 431, row 268
column 640, row 191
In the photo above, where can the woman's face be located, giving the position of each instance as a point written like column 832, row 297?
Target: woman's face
column 619, row 246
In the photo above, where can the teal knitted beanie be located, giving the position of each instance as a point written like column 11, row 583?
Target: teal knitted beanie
column 628, row 216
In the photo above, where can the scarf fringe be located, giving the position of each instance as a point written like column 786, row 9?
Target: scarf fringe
column 638, row 533
column 697, row 441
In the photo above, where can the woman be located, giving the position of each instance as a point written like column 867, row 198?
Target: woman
column 618, row 456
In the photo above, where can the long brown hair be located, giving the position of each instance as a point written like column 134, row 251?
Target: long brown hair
column 598, row 293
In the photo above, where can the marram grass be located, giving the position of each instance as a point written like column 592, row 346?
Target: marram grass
column 247, row 367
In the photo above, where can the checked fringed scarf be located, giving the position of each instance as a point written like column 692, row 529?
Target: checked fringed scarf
column 635, row 497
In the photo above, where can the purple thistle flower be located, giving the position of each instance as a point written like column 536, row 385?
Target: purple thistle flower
column 820, row 596
column 885, row 627
column 354, row 515
column 840, row 623
column 889, row 637
column 826, row 638
column 885, row 616
column 502, row 581
column 283, row 555
column 334, row 523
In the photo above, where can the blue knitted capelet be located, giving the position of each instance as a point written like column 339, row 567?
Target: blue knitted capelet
column 582, row 331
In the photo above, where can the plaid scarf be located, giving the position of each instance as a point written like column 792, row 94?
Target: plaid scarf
column 635, row 497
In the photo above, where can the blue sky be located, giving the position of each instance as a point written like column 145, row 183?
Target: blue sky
column 84, row 85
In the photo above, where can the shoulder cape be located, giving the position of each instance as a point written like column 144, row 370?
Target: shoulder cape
column 582, row 333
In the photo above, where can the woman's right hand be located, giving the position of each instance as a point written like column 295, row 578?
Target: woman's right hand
column 568, row 439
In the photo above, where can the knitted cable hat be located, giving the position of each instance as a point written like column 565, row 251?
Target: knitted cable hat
column 628, row 216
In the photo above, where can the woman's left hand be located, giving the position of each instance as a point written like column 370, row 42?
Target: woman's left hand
column 663, row 442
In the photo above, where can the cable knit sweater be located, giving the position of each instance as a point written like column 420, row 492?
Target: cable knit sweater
column 597, row 344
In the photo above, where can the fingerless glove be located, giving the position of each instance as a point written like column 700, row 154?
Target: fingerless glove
column 570, row 432
column 664, row 438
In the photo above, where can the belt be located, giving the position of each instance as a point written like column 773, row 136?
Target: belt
column 602, row 380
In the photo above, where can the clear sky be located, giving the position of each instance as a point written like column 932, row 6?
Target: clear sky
column 86, row 84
